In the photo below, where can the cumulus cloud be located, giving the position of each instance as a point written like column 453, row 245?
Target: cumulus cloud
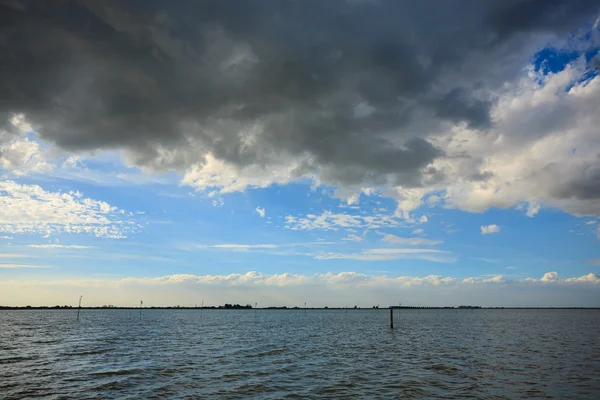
column 550, row 277
column 260, row 211
column 26, row 209
column 411, row 99
column 488, row 229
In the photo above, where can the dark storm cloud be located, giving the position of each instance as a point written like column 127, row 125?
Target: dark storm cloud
column 586, row 186
column 540, row 15
column 342, row 83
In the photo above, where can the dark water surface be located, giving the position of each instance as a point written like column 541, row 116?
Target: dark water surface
column 287, row 354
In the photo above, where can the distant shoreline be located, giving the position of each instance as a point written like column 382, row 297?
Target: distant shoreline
column 8, row 308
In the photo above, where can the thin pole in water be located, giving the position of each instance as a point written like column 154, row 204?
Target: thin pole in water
column 304, row 308
column 141, row 302
column 255, row 305
column 79, row 308
column 202, row 309
column 391, row 318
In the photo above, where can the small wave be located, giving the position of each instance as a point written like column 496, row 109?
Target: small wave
column 443, row 368
column 14, row 360
column 118, row 372
column 53, row 341
column 88, row 353
column 267, row 353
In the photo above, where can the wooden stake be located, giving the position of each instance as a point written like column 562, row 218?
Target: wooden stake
column 79, row 308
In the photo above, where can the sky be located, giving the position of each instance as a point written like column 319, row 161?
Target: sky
column 348, row 152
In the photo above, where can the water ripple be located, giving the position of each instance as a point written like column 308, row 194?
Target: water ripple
column 329, row 354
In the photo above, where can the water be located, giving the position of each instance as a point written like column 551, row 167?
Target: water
column 286, row 354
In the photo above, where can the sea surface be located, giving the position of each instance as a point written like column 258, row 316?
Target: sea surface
column 267, row 354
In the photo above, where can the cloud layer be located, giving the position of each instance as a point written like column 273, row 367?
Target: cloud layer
column 412, row 99
column 332, row 289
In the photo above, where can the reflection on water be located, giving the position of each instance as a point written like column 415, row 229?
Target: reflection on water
column 289, row 354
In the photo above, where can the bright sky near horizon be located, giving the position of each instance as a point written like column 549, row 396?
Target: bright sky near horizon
column 336, row 153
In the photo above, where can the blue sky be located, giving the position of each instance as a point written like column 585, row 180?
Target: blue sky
column 485, row 191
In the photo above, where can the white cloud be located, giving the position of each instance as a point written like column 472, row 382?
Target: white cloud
column 488, row 229
column 248, row 247
column 7, row 237
column 589, row 278
column 29, row 209
column 21, row 266
column 313, row 251
column 353, row 238
column 59, row 246
column 392, row 254
column 222, row 177
column 9, row 255
column 260, row 211
column 550, row 277
column 591, row 222
column 523, row 156
column 532, row 209
column 433, row 200
column 487, row 260
column 243, row 247
column 18, row 154
column 335, row 221
column 393, row 239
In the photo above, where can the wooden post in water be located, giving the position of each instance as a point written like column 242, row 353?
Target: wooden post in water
column 141, row 302
column 391, row 318
column 79, row 308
